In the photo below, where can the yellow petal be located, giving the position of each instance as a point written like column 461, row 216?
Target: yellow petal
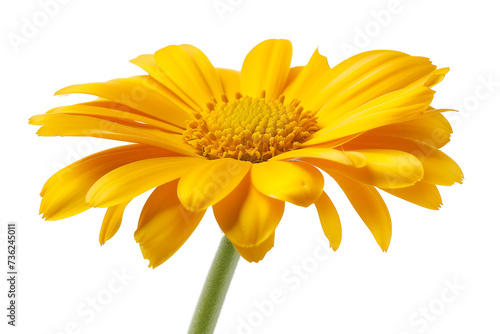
column 210, row 182
column 247, row 217
column 433, row 79
column 129, row 181
column 384, row 168
column 330, row 221
column 404, row 70
column 370, row 207
column 439, row 168
column 64, row 193
column 423, row 194
column 118, row 116
column 148, row 63
column 256, row 253
column 139, row 93
column 335, row 143
column 78, row 126
column 111, row 223
column 300, row 86
column 293, row 74
column 191, row 71
column 331, row 155
column 363, row 78
column 164, row 225
column 434, row 130
column 266, row 68
column 230, row 80
column 430, row 127
column 295, row 182
column 396, row 107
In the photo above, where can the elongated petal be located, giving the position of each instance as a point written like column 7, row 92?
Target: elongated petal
column 335, row 143
column 334, row 156
column 256, row 253
column 370, row 207
column 384, row 168
column 421, row 193
column 295, row 182
column 208, row 183
column 350, row 70
column 330, row 220
column 64, row 193
column 363, row 78
column 142, row 93
column 432, row 79
column 78, row 126
column 230, row 80
column 121, row 117
column 352, row 97
column 396, row 107
column 434, row 130
column 112, row 221
column 129, row 181
column 148, row 63
column 293, row 74
column 246, row 216
column 190, row 71
column 439, row 168
column 300, row 86
column 164, row 224
column 266, row 68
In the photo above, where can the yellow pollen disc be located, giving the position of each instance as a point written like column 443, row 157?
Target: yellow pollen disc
column 251, row 129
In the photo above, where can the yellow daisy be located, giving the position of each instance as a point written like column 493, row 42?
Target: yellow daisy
column 245, row 142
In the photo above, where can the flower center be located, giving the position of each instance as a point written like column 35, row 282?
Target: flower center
column 251, row 129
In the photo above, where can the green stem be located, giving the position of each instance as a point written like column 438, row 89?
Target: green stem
column 215, row 289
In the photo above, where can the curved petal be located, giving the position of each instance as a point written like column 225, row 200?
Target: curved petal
column 295, row 182
column 432, row 79
column 112, row 221
column 266, row 68
column 421, row 193
column 164, row 224
column 395, row 107
column 78, row 126
column 335, row 144
column 439, row 168
column 352, row 97
column 334, row 156
column 370, row 207
column 330, row 220
column 230, row 80
column 190, row 71
column 208, row 183
column 247, row 217
column 363, row 78
column 434, row 130
column 293, row 74
column 148, row 63
column 384, row 168
column 141, row 93
column 256, row 253
column 63, row 195
column 118, row 116
column 300, row 86
column 129, row 181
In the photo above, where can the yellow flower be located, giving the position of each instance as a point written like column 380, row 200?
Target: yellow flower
column 247, row 142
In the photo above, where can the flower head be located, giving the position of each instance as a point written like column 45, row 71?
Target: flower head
column 245, row 142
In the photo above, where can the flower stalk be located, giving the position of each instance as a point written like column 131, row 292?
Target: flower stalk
column 215, row 289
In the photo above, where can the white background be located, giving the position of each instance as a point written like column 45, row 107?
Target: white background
column 357, row 289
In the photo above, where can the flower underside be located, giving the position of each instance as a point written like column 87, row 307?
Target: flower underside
column 250, row 129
